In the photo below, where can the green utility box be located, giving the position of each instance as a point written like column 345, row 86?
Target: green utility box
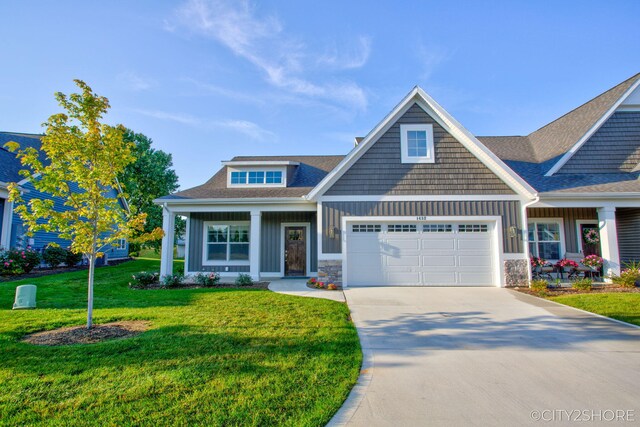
column 25, row 297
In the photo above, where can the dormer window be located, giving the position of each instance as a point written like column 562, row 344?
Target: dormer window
column 416, row 143
column 250, row 178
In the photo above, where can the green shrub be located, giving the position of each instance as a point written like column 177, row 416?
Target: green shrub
column 18, row 261
column 180, row 269
column 53, row 256
column 143, row 280
column 628, row 278
column 584, row 284
column 538, row 285
column 72, row 258
column 207, row 279
column 244, row 280
column 172, row 280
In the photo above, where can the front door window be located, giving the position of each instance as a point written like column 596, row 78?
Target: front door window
column 295, row 251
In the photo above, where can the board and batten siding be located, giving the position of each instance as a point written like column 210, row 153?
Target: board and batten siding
column 271, row 250
column 569, row 217
column 270, row 239
column 628, row 225
column 380, row 171
column 509, row 210
column 613, row 148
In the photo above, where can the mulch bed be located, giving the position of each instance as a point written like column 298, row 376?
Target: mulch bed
column 255, row 285
column 40, row 272
column 82, row 335
column 324, row 289
column 553, row 292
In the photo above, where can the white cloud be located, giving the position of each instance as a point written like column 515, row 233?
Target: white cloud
column 185, row 119
column 250, row 129
column 222, row 91
column 352, row 56
column 263, row 42
column 135, row 82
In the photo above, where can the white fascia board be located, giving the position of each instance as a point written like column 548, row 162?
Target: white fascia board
column 554, row 195
column 573, row 150
column 422, row 198
column 260, row 163
column 247, row 200
column 450, row 124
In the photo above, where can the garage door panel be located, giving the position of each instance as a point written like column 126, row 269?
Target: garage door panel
column 442, row 278
column 475, row 244
column 403, row 277
column 483, row 261
column 405, row 260
column 407, row 243
column 436, row 261
column 476, row 278
column 365, row 243
column 438, row 244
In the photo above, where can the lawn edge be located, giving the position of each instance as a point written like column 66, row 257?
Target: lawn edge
column 622, row 322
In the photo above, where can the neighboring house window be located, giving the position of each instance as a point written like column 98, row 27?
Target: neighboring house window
column 226, row 243
column 255, row 177
column 416, row 144
column 121, row 245
column 545, row 239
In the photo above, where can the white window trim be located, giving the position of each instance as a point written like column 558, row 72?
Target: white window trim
column 560, row 222
column 283, row 170
column 120, row 246
column 580, row 222
column 428, row 129
column 205, row 229
column 307, row 226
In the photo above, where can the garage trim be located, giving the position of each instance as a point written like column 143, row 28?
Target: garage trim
column 496, row 221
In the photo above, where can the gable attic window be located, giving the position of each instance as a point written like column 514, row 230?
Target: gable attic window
column 416, row 143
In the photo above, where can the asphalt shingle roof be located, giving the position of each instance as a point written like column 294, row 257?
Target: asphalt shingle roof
column 308, row 174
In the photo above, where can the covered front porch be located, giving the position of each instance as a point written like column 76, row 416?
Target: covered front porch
column 573, row 230
column 262, row 241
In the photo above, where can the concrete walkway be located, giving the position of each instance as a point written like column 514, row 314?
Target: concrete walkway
column 298, row 287
column 486, row 357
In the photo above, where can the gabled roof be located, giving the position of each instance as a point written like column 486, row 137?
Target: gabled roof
column 308, row 174
column 450, row 124
column 10, row 166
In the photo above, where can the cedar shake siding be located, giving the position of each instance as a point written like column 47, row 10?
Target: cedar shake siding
column 510, row 211
column 270, row 239
column 380, row 172
column 569, row 217
column 628, row 222
column 613, row 148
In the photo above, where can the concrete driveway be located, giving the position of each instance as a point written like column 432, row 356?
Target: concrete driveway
column 487, row 356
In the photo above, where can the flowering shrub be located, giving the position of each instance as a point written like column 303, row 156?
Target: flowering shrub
column 332, row 287
column 628, row 277
column 17, row 261
column 207, row 279
column 567, row 263
column 311, row 281
column 593, row 261
column 537, row 262
column 592, row 236
column 319, row 285
column 172, row 280
column 143, row 279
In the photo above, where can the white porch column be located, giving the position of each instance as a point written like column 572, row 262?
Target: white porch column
column 609, row 240
column 254, row 244
column 168, row 226
column 7, row 216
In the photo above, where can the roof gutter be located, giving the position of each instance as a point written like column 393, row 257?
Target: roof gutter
column 559, row 195
column 240, row 201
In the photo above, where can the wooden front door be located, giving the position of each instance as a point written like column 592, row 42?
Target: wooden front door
column 589, row 248
column 295, row 251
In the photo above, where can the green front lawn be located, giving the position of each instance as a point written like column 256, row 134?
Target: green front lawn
column 621, row 306
column 211, row 357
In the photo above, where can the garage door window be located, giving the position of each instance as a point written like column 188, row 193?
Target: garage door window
column 473, row 228
column 437, row 228
column 402, row 228
column 366, row 228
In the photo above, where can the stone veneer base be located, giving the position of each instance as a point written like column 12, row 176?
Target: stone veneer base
column 330, row 271
column 516, row 272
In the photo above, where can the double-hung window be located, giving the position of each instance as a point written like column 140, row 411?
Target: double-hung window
column 226, row 243
column 416, row 143
column 545, row 239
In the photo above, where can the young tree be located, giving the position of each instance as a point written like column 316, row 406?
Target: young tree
column 79, row 161
column 147, row 178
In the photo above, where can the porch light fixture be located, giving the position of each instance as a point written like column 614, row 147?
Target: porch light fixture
column 512, row 232
column 331, row 231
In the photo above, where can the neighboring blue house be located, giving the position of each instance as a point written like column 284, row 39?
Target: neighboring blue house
column 12, row 230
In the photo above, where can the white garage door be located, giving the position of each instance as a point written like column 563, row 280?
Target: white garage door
column 420, row 254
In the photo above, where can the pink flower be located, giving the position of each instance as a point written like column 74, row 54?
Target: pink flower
column 6, row 264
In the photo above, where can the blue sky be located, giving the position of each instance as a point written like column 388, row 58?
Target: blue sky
column 208, row 80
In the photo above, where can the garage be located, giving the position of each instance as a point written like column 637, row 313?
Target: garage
column 398, row 253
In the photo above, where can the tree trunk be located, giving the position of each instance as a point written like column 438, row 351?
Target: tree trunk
column 92, row 267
